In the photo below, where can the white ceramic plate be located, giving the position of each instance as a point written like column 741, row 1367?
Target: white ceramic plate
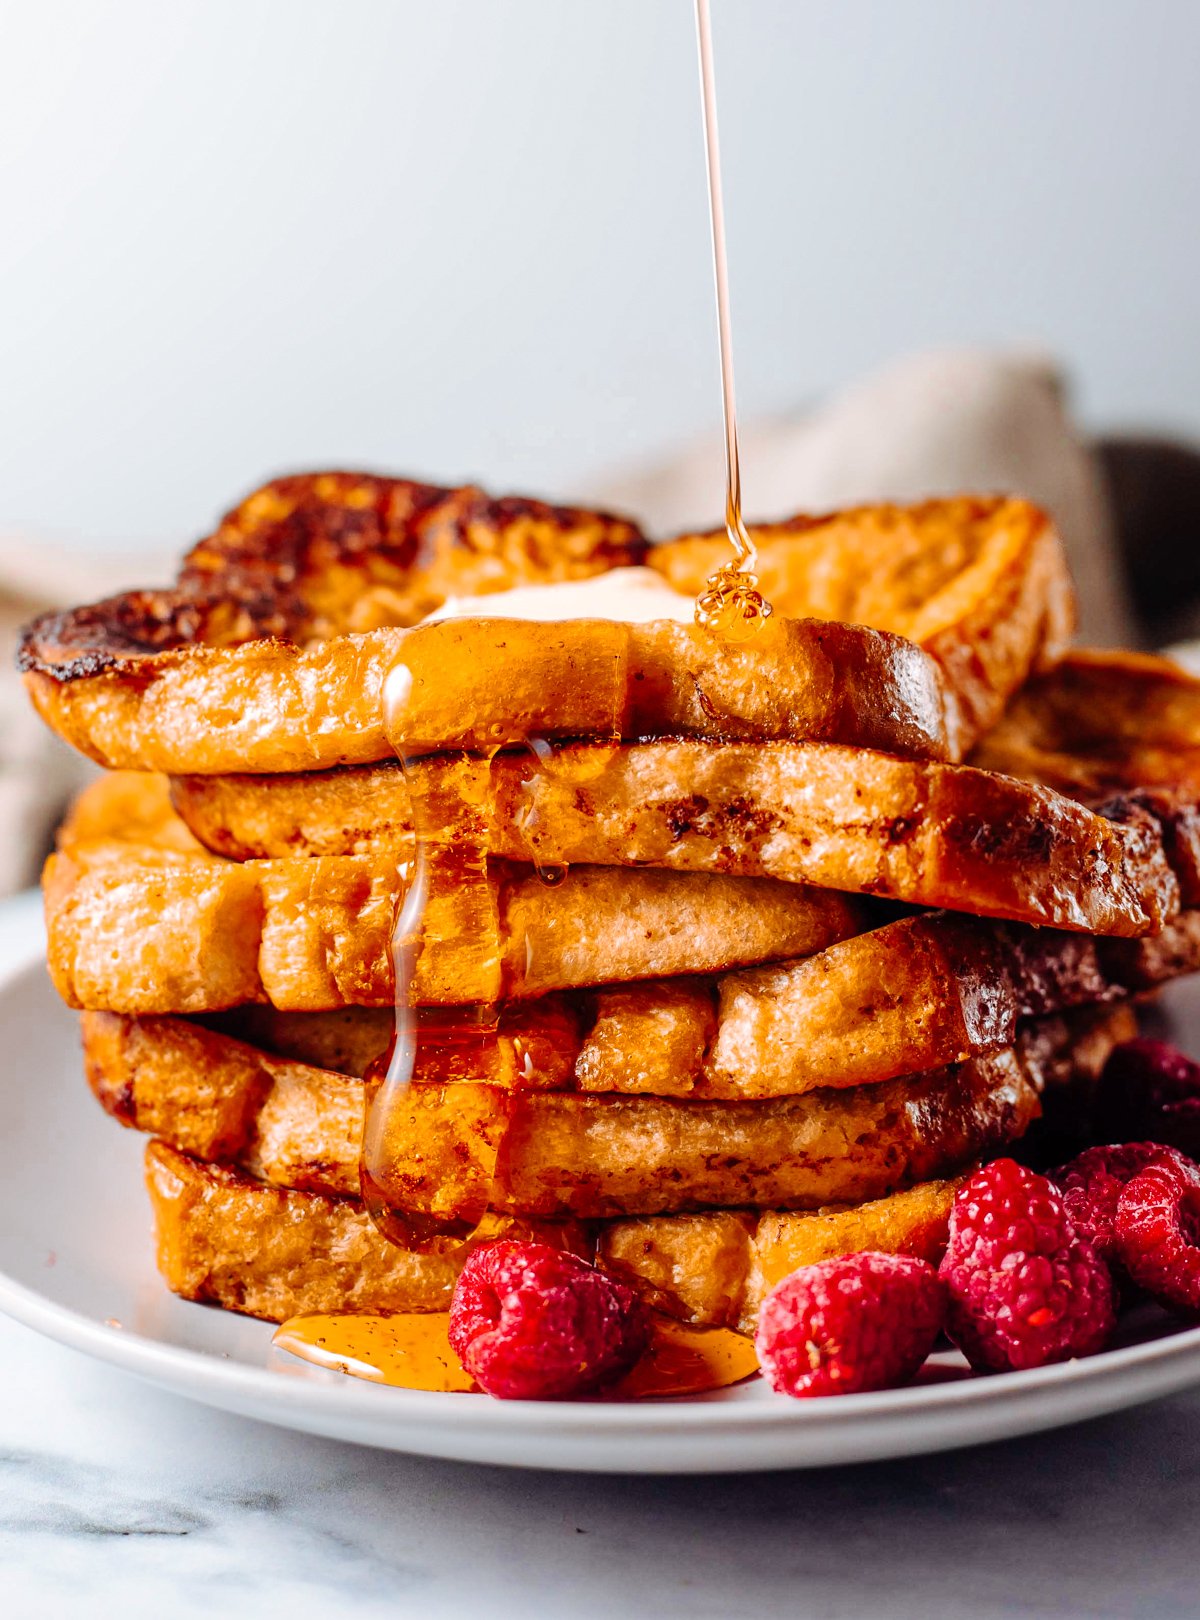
column 76, row 1263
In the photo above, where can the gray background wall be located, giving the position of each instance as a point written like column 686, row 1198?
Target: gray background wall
column 469, row 238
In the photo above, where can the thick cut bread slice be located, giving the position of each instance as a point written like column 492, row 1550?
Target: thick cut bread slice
column 272, row 652
column 230, row 1241
column 715, row 1268
column 153, row 932
column 839, row 818
column 979, row 582
column 1099, row 724
column 150, row 925
column 558, row 1154
column 185, row 934
column 136, row 934
column 916, row 994
column 964, row 837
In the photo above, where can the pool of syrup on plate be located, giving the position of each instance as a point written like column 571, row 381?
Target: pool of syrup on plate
column 414, row 1352
column 437, row 1048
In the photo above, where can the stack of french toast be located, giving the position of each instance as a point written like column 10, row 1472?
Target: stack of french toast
column 712, row 958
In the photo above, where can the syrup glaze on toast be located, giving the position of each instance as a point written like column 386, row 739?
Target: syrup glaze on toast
column 290, row 1123
column 902, row 628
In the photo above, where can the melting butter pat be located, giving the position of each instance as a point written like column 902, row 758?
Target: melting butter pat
column 628, row 595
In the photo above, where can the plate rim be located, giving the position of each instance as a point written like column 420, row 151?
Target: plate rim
column 1172, row 1360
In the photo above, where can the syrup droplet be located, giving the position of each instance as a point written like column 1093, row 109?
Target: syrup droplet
column 414, row 1352
column 731, row 605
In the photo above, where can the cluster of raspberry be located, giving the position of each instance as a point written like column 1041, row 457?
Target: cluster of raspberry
column 1036, row 1270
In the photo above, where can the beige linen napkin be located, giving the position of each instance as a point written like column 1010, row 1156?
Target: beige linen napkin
column 933, row 424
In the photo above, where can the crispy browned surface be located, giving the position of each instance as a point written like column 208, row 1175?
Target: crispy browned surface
column 1097, row 725
column 270, row 655
column 566, row 1153
column 271, row 706
column 839, row 818
column 318, row 555
column 1101, row 723
column 980, row 583
column 146, row 926
column 715, row 1268
column 913, row 995
column 231, row 1241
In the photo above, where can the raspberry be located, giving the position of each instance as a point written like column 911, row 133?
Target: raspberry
column 1158, row 1232
column 1149, row 1090
column 859, row 1322
column 1024, row 1288
column 529, row 1322
column 1092, row 1183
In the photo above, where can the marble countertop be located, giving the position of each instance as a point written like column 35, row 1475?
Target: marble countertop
column 115, row 1497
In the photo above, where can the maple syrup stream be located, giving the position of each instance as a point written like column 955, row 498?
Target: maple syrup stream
column 417, row 1085
column 730, row 603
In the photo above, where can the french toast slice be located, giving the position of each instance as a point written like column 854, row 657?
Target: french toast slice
column 1100, row 723
column 715, row 1268
column 272, row 651
column 231, row 1241
column 146, row 930
column 1097, row 725
column 566, row 1153
column 981, row 583
column 174, row 931
column 915, row 994
column 838, row 818
column 225, row 1239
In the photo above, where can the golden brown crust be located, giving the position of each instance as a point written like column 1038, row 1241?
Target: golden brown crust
column 839, row 818
column 588, row 1157
column 317, row 555
column 917, row 993
column 161, row 930
column 715, row 1268
column 284, row 669
column 564, row 1153
column 227, row 1240
column 913, row 995
column 271, row 706
column 1099, row 724
column 141, row 934
column 980, row 582
column 149, row 926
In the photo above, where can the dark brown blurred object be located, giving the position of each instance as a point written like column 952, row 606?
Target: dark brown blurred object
column 1154, row 488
